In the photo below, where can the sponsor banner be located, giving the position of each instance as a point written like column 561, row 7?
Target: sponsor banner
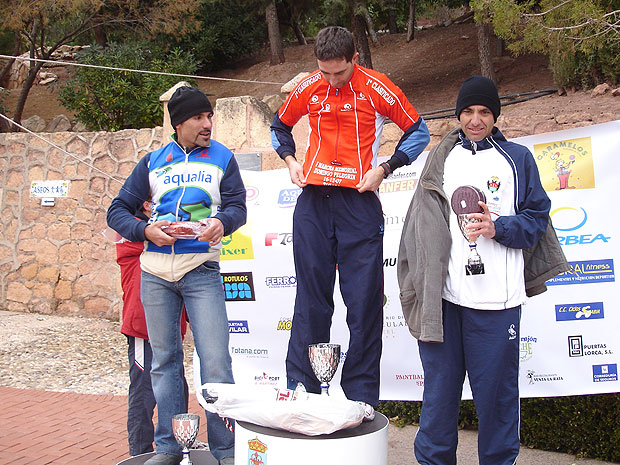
column 567, row 340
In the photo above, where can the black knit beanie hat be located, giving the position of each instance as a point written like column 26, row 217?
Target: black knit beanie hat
column 187, row 102
column 478, row 90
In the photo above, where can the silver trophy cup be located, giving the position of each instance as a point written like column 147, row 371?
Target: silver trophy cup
column 324, row 359
column 474, row 262
column 185, row 429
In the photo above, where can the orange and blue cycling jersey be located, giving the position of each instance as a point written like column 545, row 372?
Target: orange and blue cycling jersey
column 346, row 125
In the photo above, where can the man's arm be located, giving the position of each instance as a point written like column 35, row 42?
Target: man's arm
column 134, row 192
column 282, row 138
column 284, row 144
column 233, row 213
column 524, row 229
column 409, row 147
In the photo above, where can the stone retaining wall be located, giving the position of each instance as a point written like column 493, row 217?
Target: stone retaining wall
column 55, row 259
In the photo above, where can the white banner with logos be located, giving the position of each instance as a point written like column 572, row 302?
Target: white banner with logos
column 569, row 334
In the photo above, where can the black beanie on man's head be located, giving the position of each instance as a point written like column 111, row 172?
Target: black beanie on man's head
column 187, row 102
column 478, row 90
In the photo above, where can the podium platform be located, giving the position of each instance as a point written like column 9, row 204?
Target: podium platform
column 197, row 456
column 367, row 443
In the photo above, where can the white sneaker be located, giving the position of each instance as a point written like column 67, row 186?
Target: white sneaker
column 369, row 411
column 300, row 387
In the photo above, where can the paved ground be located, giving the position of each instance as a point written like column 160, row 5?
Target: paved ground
column 85, row 423
column 62, row 428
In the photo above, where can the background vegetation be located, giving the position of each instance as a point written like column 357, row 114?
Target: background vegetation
column 581, row 37
column 585, row 426
column 111, row 100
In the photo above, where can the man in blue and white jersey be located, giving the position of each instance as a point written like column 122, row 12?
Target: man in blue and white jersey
column 469, row 323
column 190, row 179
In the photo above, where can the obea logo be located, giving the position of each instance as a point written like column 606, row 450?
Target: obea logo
column 568, row 219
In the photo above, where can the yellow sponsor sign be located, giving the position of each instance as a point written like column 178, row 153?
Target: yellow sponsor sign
column 565, row 164
column 237, row 246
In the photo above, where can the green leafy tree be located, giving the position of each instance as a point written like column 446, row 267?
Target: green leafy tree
column 230, row 30
column 49, row 24
column 111, row 100
column 582, row 37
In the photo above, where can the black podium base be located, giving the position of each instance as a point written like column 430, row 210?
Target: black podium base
column 197, row 456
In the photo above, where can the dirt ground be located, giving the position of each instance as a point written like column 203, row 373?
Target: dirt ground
column 429, row 69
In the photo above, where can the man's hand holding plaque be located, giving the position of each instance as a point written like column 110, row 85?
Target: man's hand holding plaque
column 465, row 203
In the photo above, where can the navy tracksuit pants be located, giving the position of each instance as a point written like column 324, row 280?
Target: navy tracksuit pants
column 485, row 343
column 141, row 401
column 338, row 227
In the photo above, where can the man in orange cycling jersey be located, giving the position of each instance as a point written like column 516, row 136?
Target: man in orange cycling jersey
column 338, row 220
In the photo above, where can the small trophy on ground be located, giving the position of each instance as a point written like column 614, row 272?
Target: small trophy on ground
column 185, row 428
column 324, row 359
column 465, row 202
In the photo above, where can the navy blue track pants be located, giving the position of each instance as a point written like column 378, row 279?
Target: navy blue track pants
column 485, row 343
column 336, row 226
column 141, row 401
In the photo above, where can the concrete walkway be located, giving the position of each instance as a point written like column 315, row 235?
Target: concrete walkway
column 61, row 428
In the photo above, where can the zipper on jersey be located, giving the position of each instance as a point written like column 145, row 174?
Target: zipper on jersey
column 335, row 161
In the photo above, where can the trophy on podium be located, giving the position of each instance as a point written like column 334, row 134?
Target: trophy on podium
column 324, row 359
column 185, row 428
column 465, row 202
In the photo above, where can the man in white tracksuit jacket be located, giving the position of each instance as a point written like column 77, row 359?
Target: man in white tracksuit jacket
column 470, row 323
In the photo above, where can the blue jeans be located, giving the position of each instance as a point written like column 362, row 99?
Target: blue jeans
column 200, row 290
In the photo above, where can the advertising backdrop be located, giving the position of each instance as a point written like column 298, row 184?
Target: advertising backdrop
column 569, row 335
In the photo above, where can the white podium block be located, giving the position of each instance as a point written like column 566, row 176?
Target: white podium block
column 366, row 443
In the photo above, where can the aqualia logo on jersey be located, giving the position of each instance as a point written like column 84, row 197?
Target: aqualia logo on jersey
column 288, row 197
column 187, row 178
column 238, row 287
column 583, row 312
column 569, row 222
column 586, row 271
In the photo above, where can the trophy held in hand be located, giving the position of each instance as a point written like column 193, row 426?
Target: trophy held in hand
column 324, row 359
column 465, row 202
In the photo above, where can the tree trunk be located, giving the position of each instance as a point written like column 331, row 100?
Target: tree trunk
column 411, row 21
column 484, row 50
column 294, row 20
column 359, row 35
column 23, row 95
column 275, row 39
column 101, row 37
column 301, row 39
column 391, row 11
column 4, row 74
column 370, row 27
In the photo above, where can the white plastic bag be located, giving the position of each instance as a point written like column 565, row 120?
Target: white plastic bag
column 298, row 412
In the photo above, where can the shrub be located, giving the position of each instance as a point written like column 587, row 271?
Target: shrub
column 586, row 68
column 111, row 100
column 586, row 426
